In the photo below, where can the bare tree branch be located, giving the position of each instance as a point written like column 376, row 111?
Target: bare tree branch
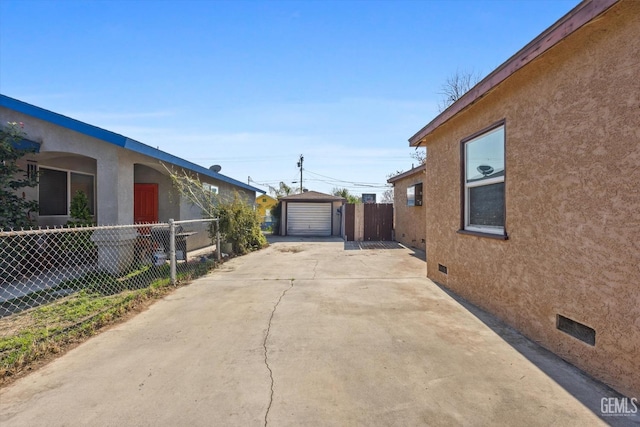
column 456, row 86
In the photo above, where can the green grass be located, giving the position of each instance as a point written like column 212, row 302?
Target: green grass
column 30, row 335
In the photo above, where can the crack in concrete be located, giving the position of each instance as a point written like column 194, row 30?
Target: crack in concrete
column 266, row 356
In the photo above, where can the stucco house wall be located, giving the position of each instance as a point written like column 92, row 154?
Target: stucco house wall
column 572, row 120
column 409, row 221
column 67, row 144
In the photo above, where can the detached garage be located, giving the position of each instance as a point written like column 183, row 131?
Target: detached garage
column 312, row 214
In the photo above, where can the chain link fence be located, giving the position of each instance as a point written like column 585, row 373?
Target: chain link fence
column 41, row 266
column 60, row 285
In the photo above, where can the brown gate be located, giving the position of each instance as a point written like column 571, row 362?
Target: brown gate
column 349, row 222
column 378, row 221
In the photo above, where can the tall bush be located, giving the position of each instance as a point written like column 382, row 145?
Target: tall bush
column 240, row 225
column 276, row 214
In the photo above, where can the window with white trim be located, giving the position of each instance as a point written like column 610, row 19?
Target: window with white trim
column 212, row 190
column 57, row 187
column 484, row 173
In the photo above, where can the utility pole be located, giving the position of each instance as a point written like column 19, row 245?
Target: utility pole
column 300, row 166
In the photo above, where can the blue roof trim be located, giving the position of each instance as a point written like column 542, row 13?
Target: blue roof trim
column 163, row 156
column 116, row 139
column 63, row 121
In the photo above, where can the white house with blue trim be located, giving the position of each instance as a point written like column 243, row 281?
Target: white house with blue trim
column 124, row 179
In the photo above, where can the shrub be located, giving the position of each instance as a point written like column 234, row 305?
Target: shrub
column 239, row 225
column 276, row 213
column 80, row 212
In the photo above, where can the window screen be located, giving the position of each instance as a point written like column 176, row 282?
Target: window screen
column 53, row 197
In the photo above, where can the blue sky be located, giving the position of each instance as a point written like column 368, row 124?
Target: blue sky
column 251, row 85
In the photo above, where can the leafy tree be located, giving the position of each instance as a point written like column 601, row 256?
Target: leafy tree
column 343, row 192
column 15, row 209
column 283, row 190
column 276, row 213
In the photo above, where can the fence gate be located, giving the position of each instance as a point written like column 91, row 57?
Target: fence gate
column 378, row 221
column 368, row 221
column 349, row 222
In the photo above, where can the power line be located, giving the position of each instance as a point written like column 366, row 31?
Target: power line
column 355, row 183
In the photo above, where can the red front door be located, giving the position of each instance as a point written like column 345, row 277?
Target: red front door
column 145, row 203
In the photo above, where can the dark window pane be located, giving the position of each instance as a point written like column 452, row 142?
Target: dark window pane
column 418, row 194
column 486, row 205
column 84, row 183
column 53, row 192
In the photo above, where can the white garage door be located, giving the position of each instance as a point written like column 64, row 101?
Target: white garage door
column 309, row 219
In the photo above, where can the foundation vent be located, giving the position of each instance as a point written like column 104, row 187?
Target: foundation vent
column 442, row 268
column 576, row 329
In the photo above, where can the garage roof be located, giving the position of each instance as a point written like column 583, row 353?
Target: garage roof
column 408, row 173
column 312, row 196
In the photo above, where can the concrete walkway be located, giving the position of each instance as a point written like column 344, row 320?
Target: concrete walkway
column 308, row 333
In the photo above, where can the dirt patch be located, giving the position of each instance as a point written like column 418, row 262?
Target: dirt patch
column 290, row 249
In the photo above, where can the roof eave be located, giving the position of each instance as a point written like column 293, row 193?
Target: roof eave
column 580, row 15
column 115, row 139
column 408, row 173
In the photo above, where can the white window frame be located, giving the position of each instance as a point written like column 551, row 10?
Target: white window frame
column 489, row 229
column 69, row 195
column 211, row 189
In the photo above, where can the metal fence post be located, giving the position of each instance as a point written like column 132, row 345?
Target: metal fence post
column 172, row 250
column 218, row 249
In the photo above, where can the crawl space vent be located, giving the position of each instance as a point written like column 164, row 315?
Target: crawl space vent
column 576, row 329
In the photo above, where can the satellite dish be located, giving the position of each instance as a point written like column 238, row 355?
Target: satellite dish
column 215, row 168
column 485, row 170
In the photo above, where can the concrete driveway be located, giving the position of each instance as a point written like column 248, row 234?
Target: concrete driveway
column 308, row 333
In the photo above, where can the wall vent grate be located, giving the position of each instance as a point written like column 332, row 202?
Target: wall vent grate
column 576, row 329
column 442, row 268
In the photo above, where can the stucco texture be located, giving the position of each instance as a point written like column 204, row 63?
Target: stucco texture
column 572, row 199
column 409, row 221
column 115, row 170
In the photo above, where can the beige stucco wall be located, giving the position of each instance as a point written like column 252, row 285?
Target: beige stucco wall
column 409, row 221
column 572, row 199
